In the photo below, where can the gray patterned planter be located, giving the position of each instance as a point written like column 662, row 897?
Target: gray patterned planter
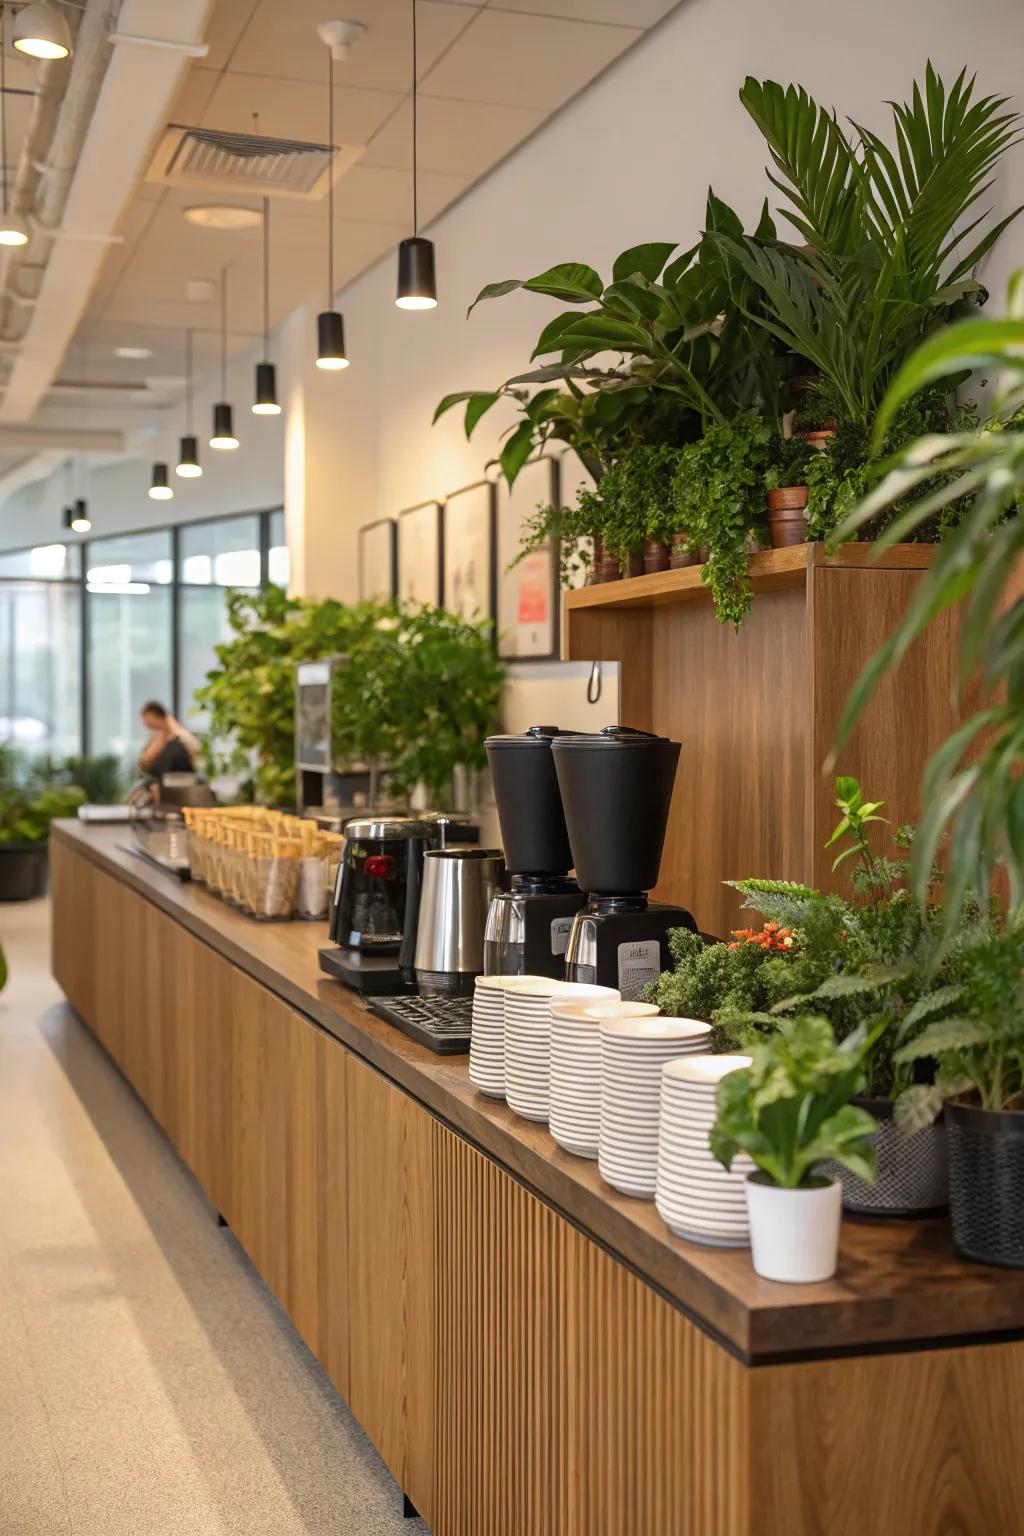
column 912, row 1178
column 986, row 1184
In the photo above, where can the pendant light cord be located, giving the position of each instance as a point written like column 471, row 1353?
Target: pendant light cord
column 415, row 177
column 3, row 97
column 188, row 382
column 266, row 279
column 223, row 333
column 330, row 179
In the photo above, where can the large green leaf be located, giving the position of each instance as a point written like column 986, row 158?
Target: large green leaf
column 647, row 260
column 602, row 333
column 573, row 282
column 516, row 451
column 495, row 291
column 973, row 344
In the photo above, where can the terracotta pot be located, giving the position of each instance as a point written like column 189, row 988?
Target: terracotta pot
column 607, row 568
column 681, row 555
column 788, row 498
column 656, row 556
column 818, row 439
column 635, row 564
column 787, row 528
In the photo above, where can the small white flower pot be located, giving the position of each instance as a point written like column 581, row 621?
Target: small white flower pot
column 794, row 1233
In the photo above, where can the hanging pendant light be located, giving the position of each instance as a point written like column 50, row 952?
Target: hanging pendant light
column 159, row 486
column 81, row 522
column 265, row 403
column 417, row 284
column 13, row 230
column 41, row 31
column 188, row 465
column 330, row 327
column 223, row 435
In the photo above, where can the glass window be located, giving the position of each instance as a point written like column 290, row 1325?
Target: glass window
column 279, row 555
column 46, row 562
column 40, row 666
column 129, row 561
column 221, row 554
column 203, row 624
column 129, row 622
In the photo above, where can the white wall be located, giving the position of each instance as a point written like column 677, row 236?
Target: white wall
column 629, row 160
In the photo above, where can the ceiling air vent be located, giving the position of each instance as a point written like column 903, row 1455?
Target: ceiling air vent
column 207, row 159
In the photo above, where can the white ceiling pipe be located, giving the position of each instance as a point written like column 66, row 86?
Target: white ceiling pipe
column 134, row 100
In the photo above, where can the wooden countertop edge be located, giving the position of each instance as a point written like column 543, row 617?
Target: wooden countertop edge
column 758, row 1328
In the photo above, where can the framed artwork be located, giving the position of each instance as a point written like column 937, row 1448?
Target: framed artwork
column 469, row 567
column 527, row 606
column 420, row 553
column 378, row 561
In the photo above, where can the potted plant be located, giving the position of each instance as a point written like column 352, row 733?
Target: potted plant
column 790, row 1111
column 785, row 482
column 719, row 500
column 28, row 804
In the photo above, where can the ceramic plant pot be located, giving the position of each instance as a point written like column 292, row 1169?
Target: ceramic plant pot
column 986, row 1183
column 681, row 555
column 606, row 567
column 820, row 438
column 787, row 515
column 656, row 556
column 794, row 1233
column 635, row 563
column 912, row 1172
column 23, row 871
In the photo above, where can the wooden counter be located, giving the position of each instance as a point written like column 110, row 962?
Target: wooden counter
column 530, row 1351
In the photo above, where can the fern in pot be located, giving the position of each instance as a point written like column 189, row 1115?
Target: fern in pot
column 790, row 1110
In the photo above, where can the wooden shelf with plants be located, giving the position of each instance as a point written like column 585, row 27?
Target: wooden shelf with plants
column 756, row 709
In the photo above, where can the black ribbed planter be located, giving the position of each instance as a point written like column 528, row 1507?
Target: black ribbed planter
column 911, row 1175
column 23, row 869
column 986, row 1183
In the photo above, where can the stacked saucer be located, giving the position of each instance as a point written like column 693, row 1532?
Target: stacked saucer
column 695, row 1196
column 528, row 1038
column 576, row 1069
column 487, row 1040
column 633, row 1052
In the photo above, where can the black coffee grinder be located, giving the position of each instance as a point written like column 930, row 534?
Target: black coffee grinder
column 616, row 789
column 528, row 926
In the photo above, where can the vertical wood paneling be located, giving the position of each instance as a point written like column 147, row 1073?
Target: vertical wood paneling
column 571, row 1398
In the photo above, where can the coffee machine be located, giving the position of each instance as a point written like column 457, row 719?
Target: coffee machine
column 616, row 788
column 528, row 926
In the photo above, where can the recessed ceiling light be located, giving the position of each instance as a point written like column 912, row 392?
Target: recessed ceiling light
column 136, row 354
column 223, row 216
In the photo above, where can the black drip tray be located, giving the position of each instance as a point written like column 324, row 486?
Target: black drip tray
column 442, row 1024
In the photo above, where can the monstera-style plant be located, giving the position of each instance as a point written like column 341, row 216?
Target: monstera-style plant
column 891, row 233
column 689, row 357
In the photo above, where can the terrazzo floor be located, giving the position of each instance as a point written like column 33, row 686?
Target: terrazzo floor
column 149, row 1383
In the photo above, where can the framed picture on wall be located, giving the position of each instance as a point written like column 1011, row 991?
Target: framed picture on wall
column 420, row 553
column 378, row 561
column 527, row 607
column 470, row 568
column 574, row 477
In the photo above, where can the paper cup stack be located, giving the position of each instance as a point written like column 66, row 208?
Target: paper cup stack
column 576, row 1069
column 528, row 1038
column 487, row 1037
column 695, row 1196
column 633, row 1052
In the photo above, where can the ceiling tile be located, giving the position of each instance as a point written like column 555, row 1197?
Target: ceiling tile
column 373, row 192
column 530, row 61
column 464, row 138
column 194, row 97
column 228, row 21
column 289, row 109
column 282, row 40
column 623, row 13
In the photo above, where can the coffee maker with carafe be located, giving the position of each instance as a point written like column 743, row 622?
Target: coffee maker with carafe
column 616, row 788
column 528, row 925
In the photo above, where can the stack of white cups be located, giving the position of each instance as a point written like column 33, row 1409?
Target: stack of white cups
column 576, row 1069
column 528, row 1038
column 487, row 1039
column 633, row 1052
column 695, row 1196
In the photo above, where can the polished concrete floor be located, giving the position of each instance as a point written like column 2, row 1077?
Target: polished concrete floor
column 149, row 1384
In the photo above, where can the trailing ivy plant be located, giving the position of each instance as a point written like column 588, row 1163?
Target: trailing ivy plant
column 719, row 500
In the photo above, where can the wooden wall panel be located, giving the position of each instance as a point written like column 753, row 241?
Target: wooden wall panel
column 926, row 1443
column 391, row 1284
column 572, row 1400
column 73, row 927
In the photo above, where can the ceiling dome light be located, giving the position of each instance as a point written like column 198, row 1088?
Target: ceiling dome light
column 41, row 31
column 159, row 488
column 135, row 354
column 222, row 216
column 188, row 465
column 223, row 427
column 81, row 522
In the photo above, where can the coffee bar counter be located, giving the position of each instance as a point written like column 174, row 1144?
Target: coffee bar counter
column 531, row 1352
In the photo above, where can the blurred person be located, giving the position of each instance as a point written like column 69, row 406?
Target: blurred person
column 170, row 749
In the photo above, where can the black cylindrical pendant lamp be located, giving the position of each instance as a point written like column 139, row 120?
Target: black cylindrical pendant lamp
column 188, row 465
column 265, row 403
column 330, row 340
column 159, row 486
column 81, row 522
column 68, row 517
column 417, row 286
column 223, row 427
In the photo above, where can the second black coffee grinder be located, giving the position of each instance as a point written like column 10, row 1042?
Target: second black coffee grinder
column 616, row 789
column 528, row 926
